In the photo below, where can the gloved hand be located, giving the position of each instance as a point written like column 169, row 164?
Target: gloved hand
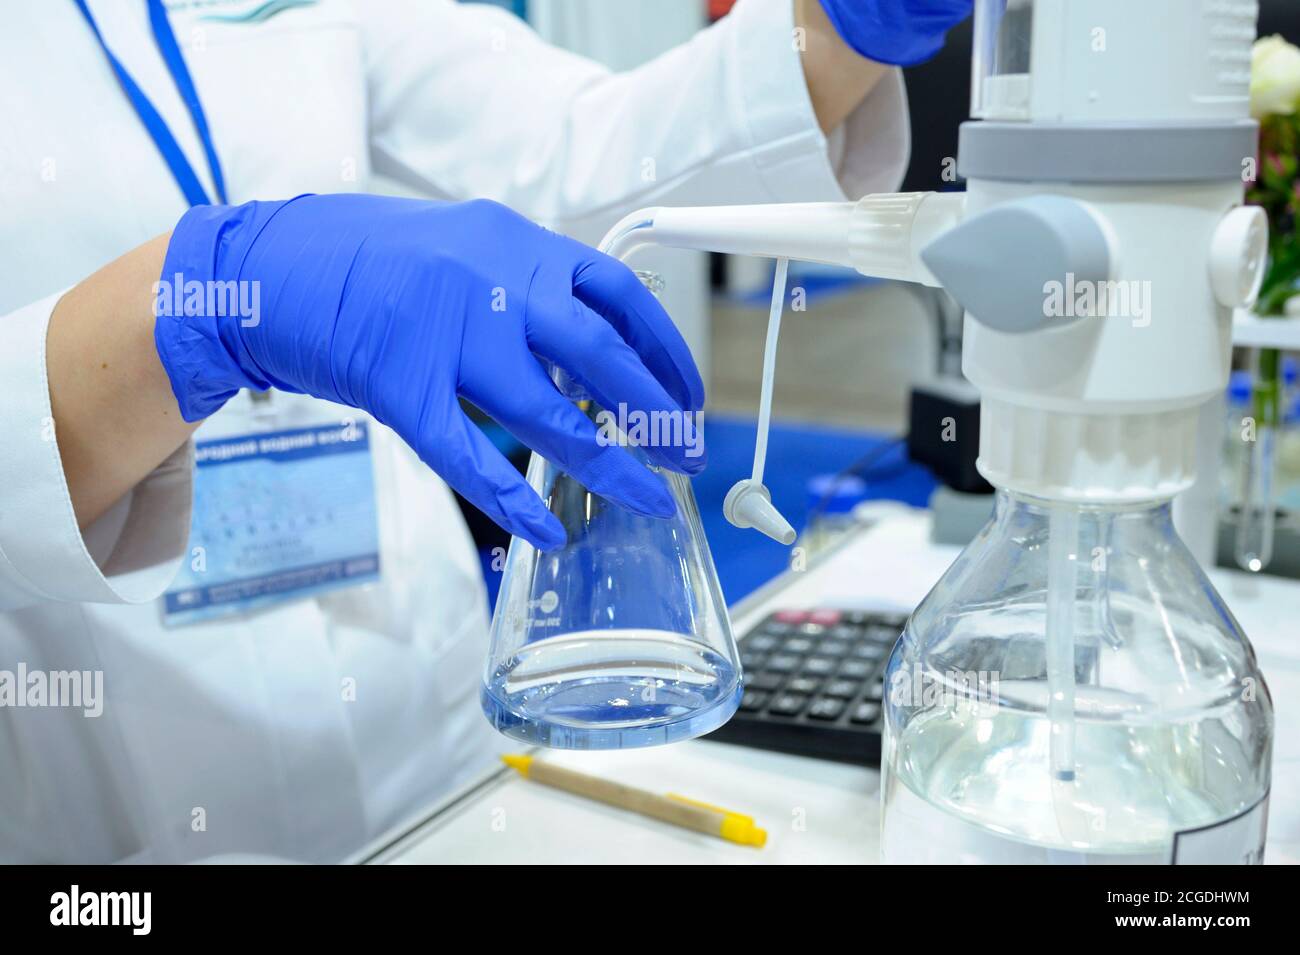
column 399, row 306
column 900, row 32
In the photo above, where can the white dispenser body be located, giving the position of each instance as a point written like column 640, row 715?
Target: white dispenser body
column 1101, row 401
column 1159, row 61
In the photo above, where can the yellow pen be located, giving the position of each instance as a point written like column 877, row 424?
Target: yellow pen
column 678, row 810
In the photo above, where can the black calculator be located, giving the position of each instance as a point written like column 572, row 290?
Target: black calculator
column 814, row 682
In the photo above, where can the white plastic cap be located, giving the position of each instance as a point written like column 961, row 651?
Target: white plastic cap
column 1238, row 256
column 1087, row 458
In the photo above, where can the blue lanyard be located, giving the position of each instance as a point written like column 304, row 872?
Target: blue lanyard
column 181, row 169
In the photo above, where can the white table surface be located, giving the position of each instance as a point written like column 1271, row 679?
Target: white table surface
column 814, row 811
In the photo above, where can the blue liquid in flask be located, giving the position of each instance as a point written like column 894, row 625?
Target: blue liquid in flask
column 611, row 689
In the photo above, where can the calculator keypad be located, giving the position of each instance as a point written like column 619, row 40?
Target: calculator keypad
column 814, row 683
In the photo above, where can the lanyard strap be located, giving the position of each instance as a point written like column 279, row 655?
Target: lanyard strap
column 180, row 167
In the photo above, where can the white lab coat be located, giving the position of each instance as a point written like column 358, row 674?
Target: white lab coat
column 236, row 736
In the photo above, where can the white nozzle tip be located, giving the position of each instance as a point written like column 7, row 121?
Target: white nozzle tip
column 750, row 505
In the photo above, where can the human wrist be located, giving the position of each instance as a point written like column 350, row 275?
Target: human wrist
column 204, row 301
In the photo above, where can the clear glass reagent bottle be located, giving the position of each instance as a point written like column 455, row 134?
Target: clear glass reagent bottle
column 1074, row 690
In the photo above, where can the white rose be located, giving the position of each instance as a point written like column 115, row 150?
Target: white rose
column 1274, row 77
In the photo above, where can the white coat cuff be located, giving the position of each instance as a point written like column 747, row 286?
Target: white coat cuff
column 130, row 554
column 794, row 160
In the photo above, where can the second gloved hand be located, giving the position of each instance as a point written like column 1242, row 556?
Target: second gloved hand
column 899, row 32
column 399, row 307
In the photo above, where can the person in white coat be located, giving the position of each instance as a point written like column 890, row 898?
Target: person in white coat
column 149, row 712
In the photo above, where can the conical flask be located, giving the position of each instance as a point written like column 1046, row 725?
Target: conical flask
column 618, row 639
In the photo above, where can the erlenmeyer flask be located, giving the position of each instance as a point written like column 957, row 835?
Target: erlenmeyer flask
column 618, row 639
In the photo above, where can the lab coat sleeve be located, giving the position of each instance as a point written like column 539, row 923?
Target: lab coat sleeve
column 465, row 100
column 130, row 554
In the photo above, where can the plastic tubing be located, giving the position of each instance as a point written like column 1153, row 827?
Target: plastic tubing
column 1062, row 538
column 769, row 368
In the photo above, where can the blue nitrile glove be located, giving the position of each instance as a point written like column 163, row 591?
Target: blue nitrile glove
column 400, row 306
column 900, row 32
